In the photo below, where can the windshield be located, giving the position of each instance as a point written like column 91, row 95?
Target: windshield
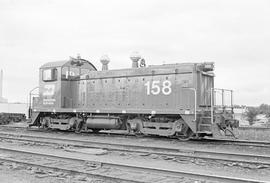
column 49, row 74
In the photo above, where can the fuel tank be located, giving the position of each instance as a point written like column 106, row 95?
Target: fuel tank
column 103, row 122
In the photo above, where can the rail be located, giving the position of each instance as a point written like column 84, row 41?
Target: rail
column 234, row 157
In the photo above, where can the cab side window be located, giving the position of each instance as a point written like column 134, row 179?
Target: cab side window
column 65, row 73
column 74, row 72
column 49, row 74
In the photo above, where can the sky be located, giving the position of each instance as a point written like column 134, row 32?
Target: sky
column 235, row 34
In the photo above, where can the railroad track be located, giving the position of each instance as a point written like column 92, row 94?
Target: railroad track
column 58, row 168
column 175, row 152
column 163, row 151
column 237, row 142
column 165, row 171
column 66, row 170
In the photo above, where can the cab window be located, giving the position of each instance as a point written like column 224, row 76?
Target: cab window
column 74, row 72
column 65, row 73
column 49, row 74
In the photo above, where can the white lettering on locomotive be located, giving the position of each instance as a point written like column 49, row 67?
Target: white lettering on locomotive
column 156, row 89
column 48, row 90
column 48, row 101
column 69, row 73
column 167, row 87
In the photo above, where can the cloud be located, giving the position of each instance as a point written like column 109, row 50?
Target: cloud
column 235, row 35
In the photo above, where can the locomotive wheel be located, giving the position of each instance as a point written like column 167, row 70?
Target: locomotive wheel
column 186, row 133
column 45, row 123
column 185, row 137
column 79, row 125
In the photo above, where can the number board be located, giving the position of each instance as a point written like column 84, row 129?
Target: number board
column 157, row 87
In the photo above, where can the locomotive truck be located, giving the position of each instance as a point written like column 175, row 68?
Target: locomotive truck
column 174, row 100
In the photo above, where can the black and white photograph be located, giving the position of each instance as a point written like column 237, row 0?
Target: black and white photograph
column 134, row 91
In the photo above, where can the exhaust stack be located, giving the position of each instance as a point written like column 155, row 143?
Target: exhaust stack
column 105, row 61
column 135, row 57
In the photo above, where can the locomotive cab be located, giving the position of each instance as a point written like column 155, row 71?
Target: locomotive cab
column 54, row 91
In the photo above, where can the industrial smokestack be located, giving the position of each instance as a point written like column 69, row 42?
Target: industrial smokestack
column 2, row 100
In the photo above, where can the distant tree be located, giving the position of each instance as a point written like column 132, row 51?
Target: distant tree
column 264, row 109
column 251, row 114
column 268, row 122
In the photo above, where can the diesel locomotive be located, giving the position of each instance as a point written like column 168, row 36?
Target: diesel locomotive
column 174, row 100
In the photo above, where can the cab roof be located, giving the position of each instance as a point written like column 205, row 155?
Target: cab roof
column 77, row 62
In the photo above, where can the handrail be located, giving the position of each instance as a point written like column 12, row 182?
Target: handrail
column 222, row 95
column 222, row 91
column 30, row 99
column 212, row 105
column 30, row 94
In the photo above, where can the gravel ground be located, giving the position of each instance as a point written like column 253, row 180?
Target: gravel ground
column 15, row 173
column 163, row 142
column 91, row 163
column 250, row 133
column 140, row 159
column 260, row 172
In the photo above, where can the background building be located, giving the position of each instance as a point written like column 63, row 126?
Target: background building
column 2, row 99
